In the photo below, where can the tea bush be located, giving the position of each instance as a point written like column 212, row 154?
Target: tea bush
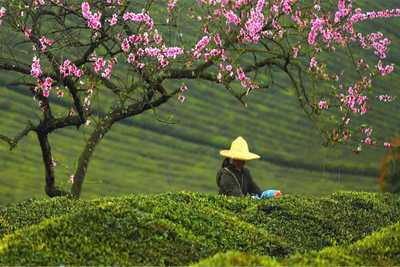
column 183, row 228
column 381, row 248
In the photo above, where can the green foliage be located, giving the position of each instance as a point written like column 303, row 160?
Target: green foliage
column 148, row 156
column 381, row 248
column 313, row 223
column 183, row 228
column 235, row 258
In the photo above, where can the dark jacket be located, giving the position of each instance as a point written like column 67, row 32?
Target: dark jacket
column 232, row 182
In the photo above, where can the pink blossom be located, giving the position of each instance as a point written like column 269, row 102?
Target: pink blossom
column 253, row 26
column 171, row 5
column 108, row 71
column 38, row 3
column 313, row 63
column 387, row 145
column 44, row 43
column 181, row 98
column 70, row 69
column 3, row 12
column 232, row 18
column 36, row 70
column 183, row 88
column 46, row 86
column 157, row 37
column 99, row 64
column 172, row 52
column 114, row 20
column 323, row 104
column 125, row 46
column 131, row 58
column 296, row 50
column 140, row 17
column 240, row 75
column 384, row 70
column 93, row 19
column 27, row 32
column 385, row 98
column 202, row 43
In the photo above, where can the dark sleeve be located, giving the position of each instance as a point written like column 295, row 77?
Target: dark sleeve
column 228, row 185
column 252, row 186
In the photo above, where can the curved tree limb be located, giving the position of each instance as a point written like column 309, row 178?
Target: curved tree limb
column 14, row 141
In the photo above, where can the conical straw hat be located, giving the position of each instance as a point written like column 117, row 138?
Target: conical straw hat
column 239, row 150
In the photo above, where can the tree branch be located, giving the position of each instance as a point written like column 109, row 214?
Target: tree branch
column 14, row 141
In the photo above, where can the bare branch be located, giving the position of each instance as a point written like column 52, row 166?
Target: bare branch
column 14, row 141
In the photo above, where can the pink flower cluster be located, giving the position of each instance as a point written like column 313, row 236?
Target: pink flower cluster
column 173, row 52
column 44, row 43
column 46, row 86
column 171, row 5
column 231, row 17
column 287, row 6
column 93, row 19
column 367, row 131
column 141, row 44
column 99, row 64
column 114, row 20
column 114, row 2
column 69, row 69
column 313, row 64
column 316, row 27
column 388, row 13
column 377, row 41
column 387, row 145
column 38, row 3
column 204, row 41
column 140, row 17
column 323, row 104
column 343, row 10
column 355, row 101
column 36, row 69
column 384, row 69
column 385, row 98
column 182, row 90
column 3, row 12
column 254, row 25
column 244, row 80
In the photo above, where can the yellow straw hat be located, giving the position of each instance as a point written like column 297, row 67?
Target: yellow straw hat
column 239, row 150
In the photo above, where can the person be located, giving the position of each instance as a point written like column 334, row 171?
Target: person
column 233, row 179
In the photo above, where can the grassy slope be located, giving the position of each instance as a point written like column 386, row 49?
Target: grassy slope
column 145, row 155
column 182, row 228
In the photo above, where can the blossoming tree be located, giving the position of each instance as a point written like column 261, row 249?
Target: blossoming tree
column 132, row 49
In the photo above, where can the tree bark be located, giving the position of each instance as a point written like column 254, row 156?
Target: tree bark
column 102, row 129
column 50, row 187
column 86, row 155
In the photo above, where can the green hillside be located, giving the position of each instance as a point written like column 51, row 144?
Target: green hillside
column 176, row 147
column 184, row 228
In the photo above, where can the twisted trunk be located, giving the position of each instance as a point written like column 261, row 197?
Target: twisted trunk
column 50, row 187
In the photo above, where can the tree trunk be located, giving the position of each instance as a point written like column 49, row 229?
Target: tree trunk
column 86, row 155
column 50, row 187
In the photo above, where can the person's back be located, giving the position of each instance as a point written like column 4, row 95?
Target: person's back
column 233, row 181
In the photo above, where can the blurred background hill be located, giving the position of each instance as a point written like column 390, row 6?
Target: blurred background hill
column 176, row 147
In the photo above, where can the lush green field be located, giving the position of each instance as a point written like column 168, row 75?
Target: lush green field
column 177, row 229
column 148, row 155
